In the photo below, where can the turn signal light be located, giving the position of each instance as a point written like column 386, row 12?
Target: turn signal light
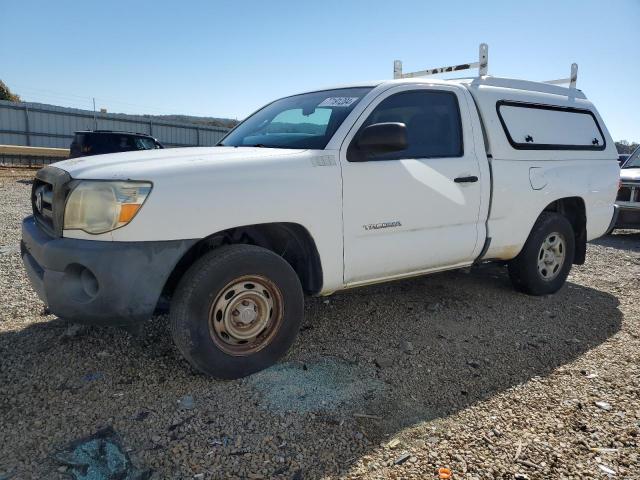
column 128, row 211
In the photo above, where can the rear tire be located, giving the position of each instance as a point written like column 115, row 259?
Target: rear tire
column 542, row 267
column 236, row 311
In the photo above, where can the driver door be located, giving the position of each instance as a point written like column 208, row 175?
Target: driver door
column 417, row 209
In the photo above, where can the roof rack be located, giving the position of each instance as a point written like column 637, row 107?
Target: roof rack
column 483, row 69
column 573, row 78
column 482, row 65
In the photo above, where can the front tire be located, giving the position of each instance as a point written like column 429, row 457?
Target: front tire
column 542, row 267
column 236, row 311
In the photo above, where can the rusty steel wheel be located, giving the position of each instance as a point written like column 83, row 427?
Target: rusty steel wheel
column 236, row 310
column 246, row 315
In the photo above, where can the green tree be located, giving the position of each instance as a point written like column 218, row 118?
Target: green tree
column 5, row 93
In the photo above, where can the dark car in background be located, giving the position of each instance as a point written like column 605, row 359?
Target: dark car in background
column 98, row 142
column 628, row 200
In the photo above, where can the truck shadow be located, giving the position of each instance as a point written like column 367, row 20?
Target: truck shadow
column 443, row 342
column 621, row 239
column 426, row 347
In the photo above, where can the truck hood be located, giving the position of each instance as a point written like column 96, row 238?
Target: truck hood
column 632, row 174
column 146, row 164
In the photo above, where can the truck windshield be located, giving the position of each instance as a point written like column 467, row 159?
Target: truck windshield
column 305, row 121
column 634, row 160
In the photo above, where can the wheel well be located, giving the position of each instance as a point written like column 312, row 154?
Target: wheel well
column 574, row 210
column 289, row 240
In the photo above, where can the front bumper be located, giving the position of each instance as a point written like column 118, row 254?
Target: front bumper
column 98, row 282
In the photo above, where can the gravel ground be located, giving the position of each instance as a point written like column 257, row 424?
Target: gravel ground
column 454, row 370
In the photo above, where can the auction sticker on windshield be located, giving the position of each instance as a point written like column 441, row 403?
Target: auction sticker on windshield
column 338, row 101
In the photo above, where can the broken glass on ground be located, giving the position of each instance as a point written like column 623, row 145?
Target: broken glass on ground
column 99, row 457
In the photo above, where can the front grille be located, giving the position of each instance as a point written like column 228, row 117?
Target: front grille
column 629, row 192
column 42, row 203
column 624, row 194
column 48, row 195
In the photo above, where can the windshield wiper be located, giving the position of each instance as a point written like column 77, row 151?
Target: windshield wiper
column 255, row 145
column 262, row 145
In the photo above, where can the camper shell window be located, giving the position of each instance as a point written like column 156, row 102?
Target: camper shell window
column 531, row 126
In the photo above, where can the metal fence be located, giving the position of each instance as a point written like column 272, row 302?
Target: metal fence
column 41, row 125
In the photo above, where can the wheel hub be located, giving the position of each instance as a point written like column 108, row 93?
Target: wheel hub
column 245, row 315
column 551, row 256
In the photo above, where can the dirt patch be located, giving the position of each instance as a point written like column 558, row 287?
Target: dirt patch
column 324, row 385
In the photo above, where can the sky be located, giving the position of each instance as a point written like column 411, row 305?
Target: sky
column 227, row 58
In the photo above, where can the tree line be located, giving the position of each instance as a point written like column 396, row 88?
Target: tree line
column 626, row 147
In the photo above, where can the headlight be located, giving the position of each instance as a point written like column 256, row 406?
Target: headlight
column 99, row 207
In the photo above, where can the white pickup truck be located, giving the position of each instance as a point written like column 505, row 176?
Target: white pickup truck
column 320, row 192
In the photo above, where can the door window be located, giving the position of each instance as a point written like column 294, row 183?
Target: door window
column 432, row 118
column 124, row 144
column 143, row 143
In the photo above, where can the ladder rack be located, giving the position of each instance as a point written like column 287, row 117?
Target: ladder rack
column 573, row 78
column 482, row 65
column 483, row 69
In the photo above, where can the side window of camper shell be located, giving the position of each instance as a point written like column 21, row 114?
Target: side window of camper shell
column 532, row 126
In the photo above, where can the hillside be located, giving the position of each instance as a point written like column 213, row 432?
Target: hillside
column 210, row 121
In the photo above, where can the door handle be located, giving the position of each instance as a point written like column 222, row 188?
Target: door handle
column 469, row 179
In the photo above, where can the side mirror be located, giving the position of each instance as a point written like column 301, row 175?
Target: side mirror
column 383, row 137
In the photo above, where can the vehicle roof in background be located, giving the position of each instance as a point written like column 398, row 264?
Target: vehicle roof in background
column 116, row 132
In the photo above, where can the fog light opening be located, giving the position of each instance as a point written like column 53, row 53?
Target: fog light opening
column 80, row 284
column 89, row 282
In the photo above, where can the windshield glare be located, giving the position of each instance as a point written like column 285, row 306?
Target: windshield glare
column 634, row 160
column 306, row 121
